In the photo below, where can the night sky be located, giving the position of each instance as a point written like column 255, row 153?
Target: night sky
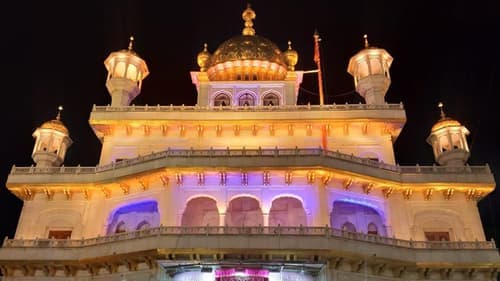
column 53, row 53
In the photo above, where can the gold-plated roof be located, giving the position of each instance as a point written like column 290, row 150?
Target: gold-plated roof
column 247, row 56
column 56, row 125
column 445, row 121
column 247, row 47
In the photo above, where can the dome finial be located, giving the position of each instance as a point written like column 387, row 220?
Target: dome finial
column 291, row 57
column 59, row 109
column 367, row 45
column 248, row 15
column 440, row 105
column 131, row 43
column 203, row 58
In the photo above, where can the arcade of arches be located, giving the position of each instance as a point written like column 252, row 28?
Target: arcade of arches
column 284, row 211
column 247, row 211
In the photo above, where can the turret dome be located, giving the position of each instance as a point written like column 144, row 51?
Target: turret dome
column 56, row 125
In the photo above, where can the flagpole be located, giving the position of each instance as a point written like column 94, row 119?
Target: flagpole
column 317, row 60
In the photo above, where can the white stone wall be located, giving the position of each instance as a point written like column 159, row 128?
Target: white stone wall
column 403, row 218
column 458, row 216
column 40, row 215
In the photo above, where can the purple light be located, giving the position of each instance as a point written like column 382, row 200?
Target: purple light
column 139, row 207
column 229, row 272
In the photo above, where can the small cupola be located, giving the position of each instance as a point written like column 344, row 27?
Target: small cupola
column 52, row 141
column 370, row 69
column 449, row 142
column 126, row 70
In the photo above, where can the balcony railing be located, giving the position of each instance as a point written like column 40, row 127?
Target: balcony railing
column 259, row 108
column 247, row 231
column 276, row 152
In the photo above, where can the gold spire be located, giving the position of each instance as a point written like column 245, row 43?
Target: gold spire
column 289, row 45
column 131, row 43
column 440, row 105
column 248, row 15
column 367, row 45
column 59, row 109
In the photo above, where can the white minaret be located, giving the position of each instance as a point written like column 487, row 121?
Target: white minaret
column 126, row 70
column 448, row 140
column 370, row 69
column 52, row 141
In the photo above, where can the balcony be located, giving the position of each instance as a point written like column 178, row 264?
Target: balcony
column 254, row 159
column 185, row 242
column 285, row 108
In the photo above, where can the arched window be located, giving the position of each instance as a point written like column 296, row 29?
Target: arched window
column 347, row 226
column 271, row 99
column 287, row 211
column 222, row 100
column 244, row 211
column 128, row 217
column 143, row 225
column 121, row 227
column 360, row 216
column 246, row 100
column 372, row 229
column 200, row 211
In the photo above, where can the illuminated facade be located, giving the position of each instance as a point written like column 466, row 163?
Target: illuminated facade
column 248, row 185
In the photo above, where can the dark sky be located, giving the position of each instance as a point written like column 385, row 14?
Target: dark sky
column 53, row 53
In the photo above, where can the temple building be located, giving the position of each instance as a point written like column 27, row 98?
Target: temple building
column 248, row 185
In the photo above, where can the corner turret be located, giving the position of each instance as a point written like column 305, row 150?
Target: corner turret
column 370, row 69
column 126, row 70
column 52, row 141
column 448, row 140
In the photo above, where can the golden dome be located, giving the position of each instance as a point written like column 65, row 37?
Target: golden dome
column 446, row 122
column 56, row 125
column 247, row 48
column 203, row 58
column 291, row 57
column 247, row 57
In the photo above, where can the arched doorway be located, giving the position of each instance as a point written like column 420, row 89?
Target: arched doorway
column 287, row 211
column 244, row 211
column 361, row 218
column 200, row 211
column 347, row 226
column 372, row 229
column 128, row 217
